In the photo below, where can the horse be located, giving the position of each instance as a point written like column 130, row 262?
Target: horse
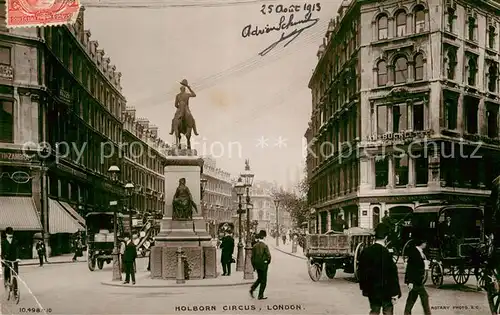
column 183, row 126
column 492, row 230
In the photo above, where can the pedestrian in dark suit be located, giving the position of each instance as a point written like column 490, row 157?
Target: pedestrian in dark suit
column 378, row 275
column 227, row 250
column 261, row 258
column 129, row 257
column 414, row 277
column 40, row 249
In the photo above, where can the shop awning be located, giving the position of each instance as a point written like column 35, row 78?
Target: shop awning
column 60, row 221
column 19, row 213
column 73, row 213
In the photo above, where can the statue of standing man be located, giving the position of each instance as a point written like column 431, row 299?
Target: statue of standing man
column 183, row 114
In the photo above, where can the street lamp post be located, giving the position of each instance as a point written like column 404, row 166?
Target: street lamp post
column 129, row 188
column 277, row 205
column 240, row 189
column 248, row 180
column 117, row 274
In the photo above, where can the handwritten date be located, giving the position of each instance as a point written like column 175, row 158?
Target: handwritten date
column 294, row 8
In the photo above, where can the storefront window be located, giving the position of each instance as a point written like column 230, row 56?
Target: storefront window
column 15, row 181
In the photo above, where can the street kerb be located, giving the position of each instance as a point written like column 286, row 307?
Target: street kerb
column 145, row 281
column 290, row 254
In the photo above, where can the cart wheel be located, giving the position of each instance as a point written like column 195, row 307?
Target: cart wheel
column 403, row 252
column 91, row 262
column 314, row 269
column 460, row 275
column 426, row 277
column 437, row 274
column 357, row 254
column 393, row 251
column 330, row 271
column 100, row 263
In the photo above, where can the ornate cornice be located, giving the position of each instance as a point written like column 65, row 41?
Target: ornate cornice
column 184, row 161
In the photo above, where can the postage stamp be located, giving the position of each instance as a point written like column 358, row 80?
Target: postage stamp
column 26, row 13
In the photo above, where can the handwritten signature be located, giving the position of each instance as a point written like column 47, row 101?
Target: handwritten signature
column 282, row 25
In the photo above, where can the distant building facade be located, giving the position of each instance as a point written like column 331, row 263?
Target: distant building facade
column 217, row 203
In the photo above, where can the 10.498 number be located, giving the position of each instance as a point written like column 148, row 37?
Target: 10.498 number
column 294, row 8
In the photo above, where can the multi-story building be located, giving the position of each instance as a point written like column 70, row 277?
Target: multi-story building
column 217, row 204
column 57, row 89
column 143, row 163
column 404, row 96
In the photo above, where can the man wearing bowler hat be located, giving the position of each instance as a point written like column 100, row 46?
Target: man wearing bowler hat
column 261, row 258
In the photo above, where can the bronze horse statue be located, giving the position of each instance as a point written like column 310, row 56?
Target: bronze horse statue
column 184, row 127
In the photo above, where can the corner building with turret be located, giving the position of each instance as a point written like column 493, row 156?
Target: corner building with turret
column 405, row 102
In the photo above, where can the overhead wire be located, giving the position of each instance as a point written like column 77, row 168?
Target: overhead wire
column 237, row 70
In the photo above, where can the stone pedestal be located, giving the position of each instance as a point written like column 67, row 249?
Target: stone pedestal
column 190, row 235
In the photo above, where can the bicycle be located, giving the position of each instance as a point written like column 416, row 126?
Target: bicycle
column 12, row 286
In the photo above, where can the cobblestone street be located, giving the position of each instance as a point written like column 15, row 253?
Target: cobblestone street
column 73, row 289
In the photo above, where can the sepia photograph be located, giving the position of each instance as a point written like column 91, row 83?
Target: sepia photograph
column 250, row 157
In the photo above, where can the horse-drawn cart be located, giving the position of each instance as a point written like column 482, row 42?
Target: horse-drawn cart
column 336, row 250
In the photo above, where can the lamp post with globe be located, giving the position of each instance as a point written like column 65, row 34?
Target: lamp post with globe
column 240, row 190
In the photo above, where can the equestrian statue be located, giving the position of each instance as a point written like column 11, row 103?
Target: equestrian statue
column 183, row 122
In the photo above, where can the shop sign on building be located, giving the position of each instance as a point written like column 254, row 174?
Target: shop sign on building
column 400, row 136
column 15, row 156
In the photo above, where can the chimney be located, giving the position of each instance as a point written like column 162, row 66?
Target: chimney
column 154, row 131
column 144, row 122
column 130, row 111
column 86, row 38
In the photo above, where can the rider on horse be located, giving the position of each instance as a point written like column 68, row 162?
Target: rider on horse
column 183, row 112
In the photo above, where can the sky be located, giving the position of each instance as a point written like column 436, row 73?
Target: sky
column 247, row 106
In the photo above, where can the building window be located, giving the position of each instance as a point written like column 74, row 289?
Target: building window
column 381, row 171
column 401, row 170
column 401, row 24
column 399, row 118
column 5, row 58
column 451, row 63
column 382, row 27
column 471, row 105
column 491, row 37
column 382, row 73
column 450, row 20
column 418, row 117
column 6, row 121
column 419, row 67
column 492, row 116
column 451, row 113
column 471, row 70
column 492, row 77
column 421, row 170
column 419, row 19
column 376, row 216
column 471, row 28
column 400, row 70
column 381, row 120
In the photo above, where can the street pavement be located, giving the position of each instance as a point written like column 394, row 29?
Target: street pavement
column 73, row 289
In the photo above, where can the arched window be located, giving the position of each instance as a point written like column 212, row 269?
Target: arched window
column 492, row 78
column 419, row 67
column 401, row 24
column 382, row 73
column 376, row 216
column 400, row 70
column 419, row 19
column 382, row 25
